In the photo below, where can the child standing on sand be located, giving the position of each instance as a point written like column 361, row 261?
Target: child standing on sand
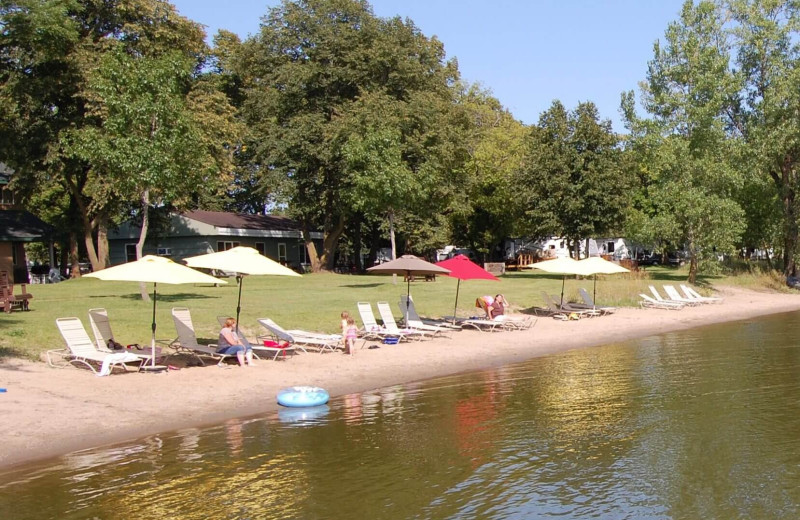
column 350, row 336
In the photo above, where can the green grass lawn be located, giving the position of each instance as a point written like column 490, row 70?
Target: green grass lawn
column 313, row 302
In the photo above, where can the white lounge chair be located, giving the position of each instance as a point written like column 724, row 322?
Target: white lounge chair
column 673, row 295
column 302, row 339
column 691, row 293
column 657, row 296
column 648, row 302
column 407, row 308
column 187, row 340
column 480, row 324
column 371, row 328
column 82, row 350
column 390, row 324
column 103, row 335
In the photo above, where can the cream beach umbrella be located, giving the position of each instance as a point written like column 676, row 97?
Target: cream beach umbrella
column 154, row 269
column 563, row 266
column 597, row 265
column 240, row 260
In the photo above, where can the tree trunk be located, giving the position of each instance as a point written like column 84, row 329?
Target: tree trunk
column 143, row 237
column 391, row 234
column 83, row 211
column 789, row 234
column 374, row 246
column 75, row 270
column 311, row 249
column 357, row 244
column 102, row 241
column 331, row 242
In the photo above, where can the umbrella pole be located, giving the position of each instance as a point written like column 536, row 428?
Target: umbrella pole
column 239, row 279
column 563, row 280
column 594, row 290
column 153, row 327
column 455, row 307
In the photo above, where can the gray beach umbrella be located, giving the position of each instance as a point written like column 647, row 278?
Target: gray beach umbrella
column 408, row 265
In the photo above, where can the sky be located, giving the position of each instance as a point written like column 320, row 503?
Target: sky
column 528, row 53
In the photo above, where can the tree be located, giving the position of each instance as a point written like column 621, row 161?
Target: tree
column 689, row 180
column 157, row 140
column 311, row 75
column 572, row 183
column 496, row 148
column 53, row 53
column 765, row 113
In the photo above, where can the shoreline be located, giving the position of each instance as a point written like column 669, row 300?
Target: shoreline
column 51, row 412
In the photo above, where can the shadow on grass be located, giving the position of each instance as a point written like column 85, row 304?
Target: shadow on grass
column 363, row 285
column 10, row 352
column 168, row 298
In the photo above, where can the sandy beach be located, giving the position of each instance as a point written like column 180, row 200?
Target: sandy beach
column 48, row 411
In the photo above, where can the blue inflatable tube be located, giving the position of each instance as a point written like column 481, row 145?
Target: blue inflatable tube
column 302, row 396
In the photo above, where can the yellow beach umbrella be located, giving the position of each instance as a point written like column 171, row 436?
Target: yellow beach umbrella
column 598, row 265
column 563, row 266
column 154, row 269
column 240, row 260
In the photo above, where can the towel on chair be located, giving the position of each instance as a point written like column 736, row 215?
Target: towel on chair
column 112, row 359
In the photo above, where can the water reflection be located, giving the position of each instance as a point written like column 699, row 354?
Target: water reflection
column 700, row 424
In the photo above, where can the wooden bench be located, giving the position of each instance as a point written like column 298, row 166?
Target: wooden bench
column 11, row 301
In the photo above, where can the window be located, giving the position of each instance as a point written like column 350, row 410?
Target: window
column 164, row 251
column 261, row 249
column 6, row 196
column 610, row 247
column 224, row 246
column 130, row 252
column 282, row 253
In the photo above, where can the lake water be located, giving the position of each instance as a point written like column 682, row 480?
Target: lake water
column 697, row 424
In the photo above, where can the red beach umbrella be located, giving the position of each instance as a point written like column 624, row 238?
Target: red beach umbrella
column 463, row 268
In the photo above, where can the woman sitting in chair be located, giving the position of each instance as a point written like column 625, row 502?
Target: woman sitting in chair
column 230, row 343
column 497, row 309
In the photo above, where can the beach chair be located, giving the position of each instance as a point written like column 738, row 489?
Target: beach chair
column 187, row 340
column 675, row 296
column 83, row 351
column 407, row 308
column 648, row 302
column 371, row 328
column 391, row 325
column 301, row 339
column 565, row 312
column 691, row 293
column 104, row 337
column 658, row 297
column 589, row 302
column 274, row 350
column 482, row 324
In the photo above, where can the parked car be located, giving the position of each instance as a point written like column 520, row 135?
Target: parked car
column 656, row 259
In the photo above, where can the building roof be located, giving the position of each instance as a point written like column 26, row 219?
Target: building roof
column 222, row 219
column 21, row 226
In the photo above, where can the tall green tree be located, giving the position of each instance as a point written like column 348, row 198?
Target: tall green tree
column 311, row 76
column 157, row 140
column 689, row 178
column 53, row 53
column 496, row 149
column 765, row 113
column 573, row 185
